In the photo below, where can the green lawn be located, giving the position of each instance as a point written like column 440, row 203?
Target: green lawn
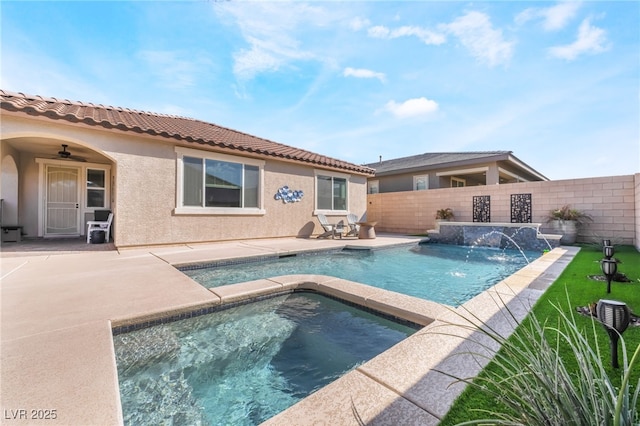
column 572, row 289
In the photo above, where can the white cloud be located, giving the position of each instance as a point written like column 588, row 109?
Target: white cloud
column 412, row 107
column 426, row 36
column 174, row 69
column 356, row 24
column 590, row 40
column 554, row 17
column 379, row 31
column 249, row 62
column 270, row 29
column 363, row 73
column 483, row 41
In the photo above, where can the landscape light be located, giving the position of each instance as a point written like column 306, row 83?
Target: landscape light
column 608, row 252
column 609, row 269
column 615, row 317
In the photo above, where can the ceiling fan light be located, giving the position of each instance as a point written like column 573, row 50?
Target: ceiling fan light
column 64, row 153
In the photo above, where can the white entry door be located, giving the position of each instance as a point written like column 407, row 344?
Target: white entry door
column 62, row 205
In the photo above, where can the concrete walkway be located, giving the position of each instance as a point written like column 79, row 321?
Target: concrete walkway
column 57, row 350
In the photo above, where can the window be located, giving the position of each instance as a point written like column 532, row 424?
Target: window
column 373, row 187
column 420, row 182
column 216, row 183
column 96, row 188
column 456, row 182
column 331, row 192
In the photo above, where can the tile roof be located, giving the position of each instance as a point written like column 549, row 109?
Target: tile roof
column 436, row 159
column 167, row 126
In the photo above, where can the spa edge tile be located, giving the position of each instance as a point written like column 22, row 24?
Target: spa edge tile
column 354, row 399
column 410, row 308
column 177, row 312
column 310, row 281
column 247, row 290
column 348, row 290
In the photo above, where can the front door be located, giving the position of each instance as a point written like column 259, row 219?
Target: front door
column 62, row 206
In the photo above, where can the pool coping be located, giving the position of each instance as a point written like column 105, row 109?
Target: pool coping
column 523, row 287
column 49, row 335
column 409, row 380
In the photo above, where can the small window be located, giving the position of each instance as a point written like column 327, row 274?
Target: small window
column 373, row 187
column 457, row 182
column 96, row 188
column 331, row 192
column 421, row 182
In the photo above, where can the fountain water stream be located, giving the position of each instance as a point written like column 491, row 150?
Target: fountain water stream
column 502, row 234
column 523, row 236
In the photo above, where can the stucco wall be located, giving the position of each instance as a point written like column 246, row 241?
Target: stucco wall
column 9, row 184
column 143, row 195
column 611, row 201
column 148, row 217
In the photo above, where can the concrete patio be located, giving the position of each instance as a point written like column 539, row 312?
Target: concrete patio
column 59, row 304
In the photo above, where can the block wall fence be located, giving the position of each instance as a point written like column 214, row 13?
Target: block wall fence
column 613, row 202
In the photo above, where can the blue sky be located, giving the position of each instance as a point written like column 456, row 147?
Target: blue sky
column 557, row 83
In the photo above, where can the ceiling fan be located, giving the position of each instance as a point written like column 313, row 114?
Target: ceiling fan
column 66, row 155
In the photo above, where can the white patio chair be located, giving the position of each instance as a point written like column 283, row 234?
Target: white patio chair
column 99, row 225
column 330, row 229
column 352, row 221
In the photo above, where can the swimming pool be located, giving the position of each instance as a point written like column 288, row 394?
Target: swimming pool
column 441, row 273
column 243, row 365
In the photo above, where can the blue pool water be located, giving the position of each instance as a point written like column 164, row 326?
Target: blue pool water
column 442, row 273
column 245, row 364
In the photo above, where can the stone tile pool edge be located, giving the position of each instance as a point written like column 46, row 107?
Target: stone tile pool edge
column 400, row 385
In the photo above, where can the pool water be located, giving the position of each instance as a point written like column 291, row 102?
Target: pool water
column 243, row 365
column 442, row 273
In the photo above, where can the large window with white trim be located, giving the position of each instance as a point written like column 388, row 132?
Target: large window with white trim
column 214, row 182
column 331, row 192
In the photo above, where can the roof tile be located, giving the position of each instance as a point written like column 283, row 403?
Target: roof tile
column 180, row 128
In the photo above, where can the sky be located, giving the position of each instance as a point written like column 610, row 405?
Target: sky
column 557, row 83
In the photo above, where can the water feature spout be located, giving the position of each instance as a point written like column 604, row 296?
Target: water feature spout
column 497, row 243
column 541, row 235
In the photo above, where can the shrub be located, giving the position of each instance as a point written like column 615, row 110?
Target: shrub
column 444, row 214
column 567, row 213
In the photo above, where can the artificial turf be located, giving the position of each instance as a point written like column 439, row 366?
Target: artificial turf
column 574, row 288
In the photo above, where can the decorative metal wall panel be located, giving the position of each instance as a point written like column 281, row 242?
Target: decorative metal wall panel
column 288, row 196
column 482, row 208
column 521, row 208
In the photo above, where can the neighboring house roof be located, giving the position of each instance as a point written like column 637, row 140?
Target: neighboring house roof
column 167, row 126
column 438, row 160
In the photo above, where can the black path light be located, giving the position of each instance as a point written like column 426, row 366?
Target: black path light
column 615, row 317
column 608, row 252
column 609, row 269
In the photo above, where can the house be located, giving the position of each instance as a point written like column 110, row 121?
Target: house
column 167, row 179
column 449, row 169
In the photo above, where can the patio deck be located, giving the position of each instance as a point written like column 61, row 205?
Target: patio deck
column 61, row 298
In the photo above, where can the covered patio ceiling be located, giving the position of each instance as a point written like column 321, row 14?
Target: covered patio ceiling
column 49, row 148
